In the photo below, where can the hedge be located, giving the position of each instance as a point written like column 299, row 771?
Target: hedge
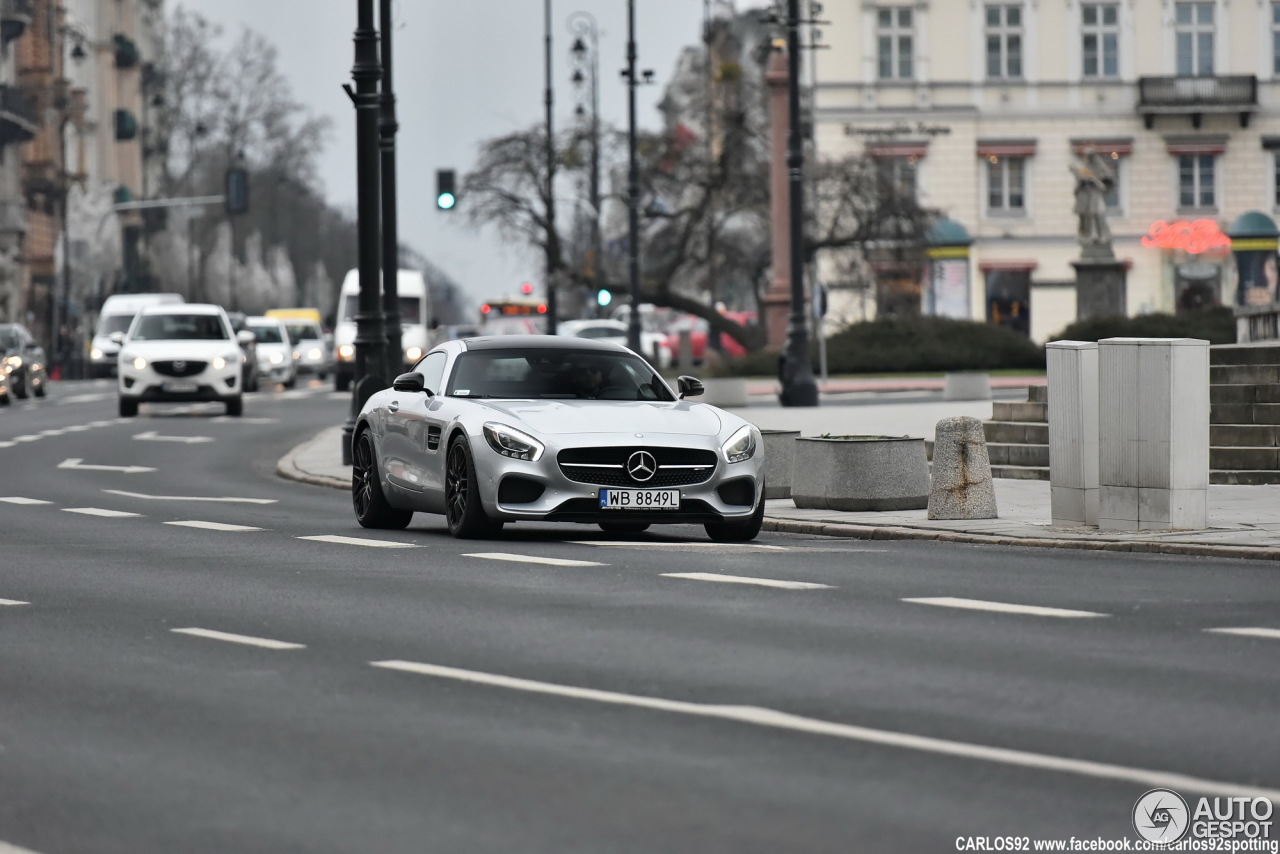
column 1217, row 325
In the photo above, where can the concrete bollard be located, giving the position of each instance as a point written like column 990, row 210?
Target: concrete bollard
column 967, row 385
column 684, row 355
column 779, row 457
column 961, row 485
column 1072, row 367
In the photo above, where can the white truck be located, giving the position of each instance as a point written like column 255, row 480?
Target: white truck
column 415, row 308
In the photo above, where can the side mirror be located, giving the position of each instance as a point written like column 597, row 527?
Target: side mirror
column 117, row 338
column 689, row 387
column 244, row 337
column 411, row 382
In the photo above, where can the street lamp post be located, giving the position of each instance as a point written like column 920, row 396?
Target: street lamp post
column 387, row 127
column 799, row 388
column 552, row 303
column 583, row 26
column 369, row 341
column 633, row 181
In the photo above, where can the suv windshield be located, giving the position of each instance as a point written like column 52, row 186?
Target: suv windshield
column 109, row 323
column 266, row 333
column 179, row 327
column 304, row 331
column 555, row 374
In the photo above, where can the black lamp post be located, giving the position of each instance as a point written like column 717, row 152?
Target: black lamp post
column 387, row 127
column 369, row 341
column 586, row 54
column 799, row 388
column 633, row 181
column 552, row 303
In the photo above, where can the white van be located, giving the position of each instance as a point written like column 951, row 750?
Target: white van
column 415, row 308
column 115, row 316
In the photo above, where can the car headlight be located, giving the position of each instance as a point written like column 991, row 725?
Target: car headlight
column 314, row 353
column 741, row 445
column 135, row 362
column 220, row 362
column 13, row 362
column 511, row 442
column 96, row 354
column 276, row 358
column 412, row 354
column 347, row 352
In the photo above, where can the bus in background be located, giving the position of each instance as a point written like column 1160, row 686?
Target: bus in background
column 513, row 316
column 415, row 308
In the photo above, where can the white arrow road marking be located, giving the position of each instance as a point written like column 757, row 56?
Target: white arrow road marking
column 740, row 579
column 358, row 541
column 651, row 545
column 27, row 438
column 758, row 716
column 52, row 432
column 78, row 428
column 213, row 526
column 153, row 436
column 266, row 643
column 227, row 419
column 550, row 561
column 106, row 423
column 78, row 463
column 7, row 445
column 17, row 499
column 6, row 848
column 86, row 398
column 189, row 498
column 98, row 511
column 12, row 602
column 1003, row 607
column 1273, row 634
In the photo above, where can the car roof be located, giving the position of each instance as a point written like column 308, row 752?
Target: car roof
column 265, row 321
column 182, row 308
column 540, row 342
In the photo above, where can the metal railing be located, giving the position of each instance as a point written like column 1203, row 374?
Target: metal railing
column 1198, row 93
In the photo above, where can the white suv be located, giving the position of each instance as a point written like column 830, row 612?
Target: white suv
column 179, row 353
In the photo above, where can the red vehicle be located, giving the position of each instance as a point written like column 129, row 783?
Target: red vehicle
column 698, row 328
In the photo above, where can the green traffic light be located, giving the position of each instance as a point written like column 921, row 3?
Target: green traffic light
column 445, row 201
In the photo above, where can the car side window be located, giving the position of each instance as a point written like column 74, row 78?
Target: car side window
column 432, row 369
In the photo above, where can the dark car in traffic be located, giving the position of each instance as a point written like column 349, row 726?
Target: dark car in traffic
column 23, row 361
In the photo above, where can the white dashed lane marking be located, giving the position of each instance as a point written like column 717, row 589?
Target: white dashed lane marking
column 213, row 526
column 358, row 541
column 764, row 717
column 189, row 497
column 549, row 561
column 1003, row 607
column 17, row 499
column 248, row 640
column 1272, row 634
column 641, row 544
column 740, row 579
column 99, row 511
column 6, row 848
column 12, row 602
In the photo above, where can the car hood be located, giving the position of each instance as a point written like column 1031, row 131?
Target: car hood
column 594, row 416
column 197, row 349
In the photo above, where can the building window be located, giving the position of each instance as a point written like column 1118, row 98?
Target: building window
column 1275, row 178
column 1194, row 31
column 1004, row 41
column 894, row 43
column 1113, row 198
column 1101, row 39
column 1275, row 39
column 1006, row 185
column 1197, row 185
column 898, row 175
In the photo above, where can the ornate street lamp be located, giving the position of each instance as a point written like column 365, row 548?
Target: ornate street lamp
column 552, row 272
column 633, row 181
column 585, row 54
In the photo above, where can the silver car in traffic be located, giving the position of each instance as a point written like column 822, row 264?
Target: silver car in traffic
column 542, row 428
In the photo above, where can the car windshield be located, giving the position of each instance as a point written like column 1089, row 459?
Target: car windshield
column 547, row 374
column 266, row 333
column 303, row 331
column 8, row 339
column 179, row 327
column 110, row 323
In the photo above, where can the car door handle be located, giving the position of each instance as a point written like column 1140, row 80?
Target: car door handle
column 394, row 406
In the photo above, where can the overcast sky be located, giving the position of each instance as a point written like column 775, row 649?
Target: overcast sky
column 465, row 71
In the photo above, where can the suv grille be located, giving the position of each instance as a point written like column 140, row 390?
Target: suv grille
column 178, row 368
column 607, row 466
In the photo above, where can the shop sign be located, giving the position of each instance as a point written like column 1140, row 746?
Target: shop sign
column 1194, row 237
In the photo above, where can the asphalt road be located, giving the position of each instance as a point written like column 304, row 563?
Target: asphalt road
column 192, row 670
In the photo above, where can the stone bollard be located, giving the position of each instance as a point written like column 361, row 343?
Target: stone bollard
column 779, row 458
column 961, row 485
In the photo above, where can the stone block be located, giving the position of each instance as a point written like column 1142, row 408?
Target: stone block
column 961, row 487
column 1072, row 369
column 860, row 473
column 779, row 457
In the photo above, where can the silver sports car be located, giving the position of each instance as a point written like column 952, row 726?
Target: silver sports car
column 549, row 429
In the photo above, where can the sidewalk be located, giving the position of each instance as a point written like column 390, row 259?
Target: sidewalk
column 1244, row 520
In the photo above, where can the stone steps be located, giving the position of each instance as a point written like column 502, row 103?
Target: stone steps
column 1248, row 478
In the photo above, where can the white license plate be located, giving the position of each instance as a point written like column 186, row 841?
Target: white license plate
column 639, row 499
column 180, row 387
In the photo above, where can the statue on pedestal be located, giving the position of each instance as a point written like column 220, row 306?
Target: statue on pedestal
column 1095, row 178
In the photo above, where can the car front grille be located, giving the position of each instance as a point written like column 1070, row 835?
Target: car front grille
column 178, row 368
column 608, row 466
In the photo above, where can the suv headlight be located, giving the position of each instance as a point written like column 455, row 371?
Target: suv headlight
column 412, row 354
column 347, row 352
column 511, row 442
column 741, row 445
column 13, row 362
column 136, row 362
column 276, row 358
column 220, row 362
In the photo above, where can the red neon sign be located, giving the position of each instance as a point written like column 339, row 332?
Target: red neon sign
column 1193, row 237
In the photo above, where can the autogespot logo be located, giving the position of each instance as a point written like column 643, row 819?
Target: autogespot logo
column 1161, row 816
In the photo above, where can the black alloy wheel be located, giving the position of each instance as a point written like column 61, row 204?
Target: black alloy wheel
column 462, row 508
column 367, row 498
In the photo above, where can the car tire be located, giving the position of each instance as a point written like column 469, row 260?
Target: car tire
column 367, row 497
column 128, row 408
column 739, row 532
column 4, row 400
column 623, row 527
column 341, row 382
column 462, row 507
column 19, row 389
column 235, row 406
column 40, row 390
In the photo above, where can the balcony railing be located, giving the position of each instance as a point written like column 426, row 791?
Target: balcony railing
column 15, row 17
column 1194, row 96
column 18, row 119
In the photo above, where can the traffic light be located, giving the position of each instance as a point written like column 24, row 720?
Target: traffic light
column 236, row 191
column 603, row 297
column 446, row 195
column 526, row 288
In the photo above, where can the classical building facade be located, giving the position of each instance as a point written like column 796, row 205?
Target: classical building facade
column 984, row 106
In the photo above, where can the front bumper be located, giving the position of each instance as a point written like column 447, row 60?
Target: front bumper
column 210, row 384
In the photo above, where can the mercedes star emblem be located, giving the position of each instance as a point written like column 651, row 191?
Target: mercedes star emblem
column 641, row 466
